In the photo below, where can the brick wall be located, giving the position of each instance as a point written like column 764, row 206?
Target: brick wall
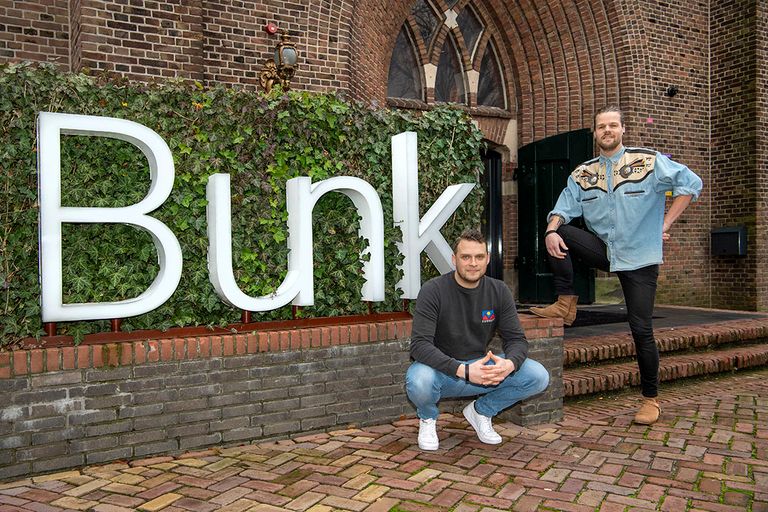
column 207, row 40
column 761, row 155
column 75, row 33
column 141, row 38
column 662, row 45
column 236, row 46
column 733, row 186
column 65, row 407
column 563, row 68
column 375, row 26
column 34, row 30
column 509, row 207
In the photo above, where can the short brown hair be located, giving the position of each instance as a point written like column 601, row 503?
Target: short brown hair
column 471, row 235
column 610, row 108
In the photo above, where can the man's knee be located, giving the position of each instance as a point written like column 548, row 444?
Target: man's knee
column 567, row 231
column 642, row 332
column 420, row 382
column 535, row 375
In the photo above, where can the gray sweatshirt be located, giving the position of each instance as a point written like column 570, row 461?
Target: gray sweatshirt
column 453, row 323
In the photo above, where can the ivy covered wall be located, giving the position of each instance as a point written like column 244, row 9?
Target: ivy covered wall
column 261, row 141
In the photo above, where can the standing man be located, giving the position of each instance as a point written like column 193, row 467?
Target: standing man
column 456, row 316
column 621, row 195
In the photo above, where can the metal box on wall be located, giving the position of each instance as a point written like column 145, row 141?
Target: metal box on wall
column 729, row 241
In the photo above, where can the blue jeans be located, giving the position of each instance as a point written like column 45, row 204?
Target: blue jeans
column 426, row 386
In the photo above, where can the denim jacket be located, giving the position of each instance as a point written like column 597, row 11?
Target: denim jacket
column 622, row 200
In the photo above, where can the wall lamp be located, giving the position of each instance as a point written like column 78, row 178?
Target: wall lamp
column 671, row 91
column 282, row 67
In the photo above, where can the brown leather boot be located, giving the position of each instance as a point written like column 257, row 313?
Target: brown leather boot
column 564, row 308
column 649, row 412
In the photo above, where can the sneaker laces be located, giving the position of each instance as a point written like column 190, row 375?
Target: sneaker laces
column 485, row 425
column 428, row 429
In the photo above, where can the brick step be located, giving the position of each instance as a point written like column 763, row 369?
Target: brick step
column 608, row 377
column 679, row 339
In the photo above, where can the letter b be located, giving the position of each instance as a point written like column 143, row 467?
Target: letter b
column 53, row 215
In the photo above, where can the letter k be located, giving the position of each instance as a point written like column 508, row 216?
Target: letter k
column 419, row 235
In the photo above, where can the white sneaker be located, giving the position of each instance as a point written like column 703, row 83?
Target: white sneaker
column 482, row 425
column 428, row 435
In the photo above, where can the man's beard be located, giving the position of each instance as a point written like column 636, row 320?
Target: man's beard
column 470, row 279
column 609, row 146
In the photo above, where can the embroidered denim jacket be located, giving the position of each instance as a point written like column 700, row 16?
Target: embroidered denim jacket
column 622, row 200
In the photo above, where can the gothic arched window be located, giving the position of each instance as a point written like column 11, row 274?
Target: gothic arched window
column 470, row 27
column 490, row 89
column 404, row 77
column 449, row 84
column 444, row 53
column 426, row 19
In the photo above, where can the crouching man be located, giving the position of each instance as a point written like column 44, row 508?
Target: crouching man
column 456, row 317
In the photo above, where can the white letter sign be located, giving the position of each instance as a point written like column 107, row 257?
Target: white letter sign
column 301, row 197
column 53, row 215
column 418, row 235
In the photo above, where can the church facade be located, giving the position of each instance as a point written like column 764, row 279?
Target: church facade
column 690, row 76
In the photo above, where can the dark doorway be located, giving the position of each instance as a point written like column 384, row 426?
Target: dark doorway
column 543, row 168
column 492, row 220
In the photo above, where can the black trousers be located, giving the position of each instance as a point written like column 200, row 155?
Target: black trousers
column 639, row 287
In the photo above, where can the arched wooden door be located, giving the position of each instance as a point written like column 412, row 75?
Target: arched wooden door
column 543, row 168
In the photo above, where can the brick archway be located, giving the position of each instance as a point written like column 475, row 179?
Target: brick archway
column 562, row 57
column 374, row 27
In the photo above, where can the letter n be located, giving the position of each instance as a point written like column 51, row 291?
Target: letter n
column 298, row 285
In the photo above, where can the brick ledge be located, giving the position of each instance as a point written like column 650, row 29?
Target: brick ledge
column 22, row 362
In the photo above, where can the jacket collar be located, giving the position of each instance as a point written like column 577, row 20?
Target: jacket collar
column 616, row 156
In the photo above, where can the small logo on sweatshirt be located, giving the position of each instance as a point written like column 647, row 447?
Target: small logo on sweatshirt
column 488, row 315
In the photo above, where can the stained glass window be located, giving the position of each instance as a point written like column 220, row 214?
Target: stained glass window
column 426, row 19
column 470, row 27
column 449, row 84
column 490, row 90
column 407, row 72
column 404, row 80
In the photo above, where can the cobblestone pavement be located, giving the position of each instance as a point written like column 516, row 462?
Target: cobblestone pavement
column 709, row 452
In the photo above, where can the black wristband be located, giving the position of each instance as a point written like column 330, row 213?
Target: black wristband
column 549, row 232
column 466, row 372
